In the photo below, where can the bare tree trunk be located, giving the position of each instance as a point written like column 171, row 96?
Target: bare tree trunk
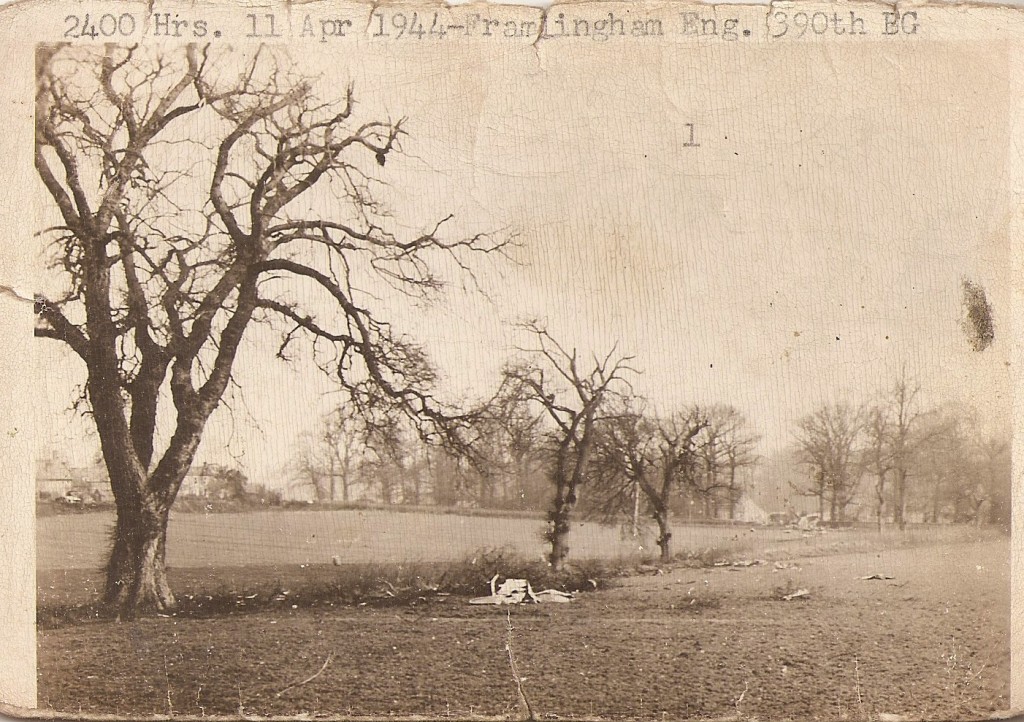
column 733, row 496
column 414, row 487
column 346, row 470
column 900, row 501
column 636, row 511
column 558, row 518
column 664, row 534
column 486, row 492
column 880, row 506
column 558, row 534
column 136, row 579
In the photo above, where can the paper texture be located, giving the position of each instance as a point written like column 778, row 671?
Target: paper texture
column 744, row 279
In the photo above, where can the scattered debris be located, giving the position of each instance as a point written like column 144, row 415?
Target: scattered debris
column 797, row 595
column 648, row 569
column 878, row 576
column 740, row 563
column 517, row 591
column 553, row 595
column 785, row 566
column 808, row 522
column 886, row 717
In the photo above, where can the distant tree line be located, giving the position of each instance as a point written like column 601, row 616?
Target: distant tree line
column 566, row 434
column 895, row 460
column 562, row 434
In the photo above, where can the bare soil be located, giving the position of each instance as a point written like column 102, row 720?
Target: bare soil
column 931, row 643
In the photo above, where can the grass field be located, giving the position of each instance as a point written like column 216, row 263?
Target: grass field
column 311, row 537
column 80, row 541
column 931, row 643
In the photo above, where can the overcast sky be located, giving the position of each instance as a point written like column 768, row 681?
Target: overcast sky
column 804, row 252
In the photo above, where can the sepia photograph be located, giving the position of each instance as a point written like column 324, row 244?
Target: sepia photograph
column 607, row 362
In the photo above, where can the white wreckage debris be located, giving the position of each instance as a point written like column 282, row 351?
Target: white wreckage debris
column 517, row 591
column 882, row 577
column 798, row 594
column 736, row 565
column 786, row 566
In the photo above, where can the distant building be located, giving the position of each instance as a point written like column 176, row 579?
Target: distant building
column 55, row 478
column 199, row 482
column 212, row 481
column 749, row 511
column 196, row 484
column 92, row 483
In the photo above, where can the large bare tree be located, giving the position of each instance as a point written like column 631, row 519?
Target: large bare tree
column 878, row 455
column 828, row 444
column 638, row 456
column 197, row 194
column 572, row 394
column 520, row 453
column 894, row 435
column 726, row 447
column 963, row 469
column 904, row 414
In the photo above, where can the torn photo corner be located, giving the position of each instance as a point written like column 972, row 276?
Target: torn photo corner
column 338, row 335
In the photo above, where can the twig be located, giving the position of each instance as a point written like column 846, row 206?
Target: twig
column 739, row 700
column 167, row 678
column 309, row 679
column 856, row 674
column 515, row 669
